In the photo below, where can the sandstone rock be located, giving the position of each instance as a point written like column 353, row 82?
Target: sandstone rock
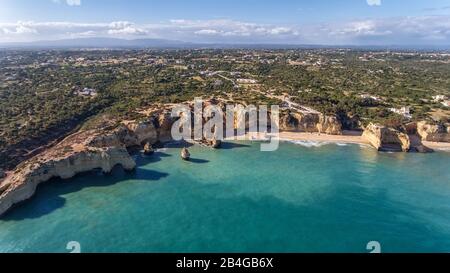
column 310, row 122
column 81, row 152
column 215, row 144
column 144, row 131
column 25, row 180
column 422, row 149
column 386, row 139
column 329, row 125
column 185, row 155
column 148, row 149
column 433, row 133
column 288, row 122
column 165, row 122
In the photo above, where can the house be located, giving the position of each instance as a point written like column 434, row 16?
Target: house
column 246, row 81
column 439, row 98
column 87, row 92
column 404, row 111
column 368, row 96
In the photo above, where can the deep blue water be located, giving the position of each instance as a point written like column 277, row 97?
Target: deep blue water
column 330, row 198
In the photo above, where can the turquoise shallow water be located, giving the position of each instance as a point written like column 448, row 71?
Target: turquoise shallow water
column 330, row 198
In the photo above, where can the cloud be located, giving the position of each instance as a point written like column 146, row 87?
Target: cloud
column 396, row 30
column 374, row 2
column 229, row 28
column 445, row 8
column 207, row 32
column 69, row 2
column 125, row 28
column 73, row 2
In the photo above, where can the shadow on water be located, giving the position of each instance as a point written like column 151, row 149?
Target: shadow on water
column 147, row 159
column 49, row 196
column 178, row 144
column 198, row 161
column 232, row 145
column 224, row 145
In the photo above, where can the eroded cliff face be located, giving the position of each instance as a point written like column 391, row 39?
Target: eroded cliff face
column 386, row 139
column 100, row 148
column 106, row 146
column 433, row 133
column 82, row 152
column 314, row 123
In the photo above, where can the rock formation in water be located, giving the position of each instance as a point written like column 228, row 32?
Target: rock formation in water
column 185, row 155
column 310, row 122
column 432, row 132
column 148, row 149
column 215, row 143
column 386, row 139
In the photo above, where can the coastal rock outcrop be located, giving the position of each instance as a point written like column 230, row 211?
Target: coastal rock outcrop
column 81, row 152
column 148, row 149
column 433, row 132
column 310, row 122
column 185, row 155
column 144, row 131
column 215, row 143
column 386, row 139
column 164, row 123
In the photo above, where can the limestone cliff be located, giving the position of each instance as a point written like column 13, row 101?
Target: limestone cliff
column 100, row 148
column 310, row 122
column 106, row 146
column 144, row 131
column 78, row 153
column 433, row 133
column 386, row 139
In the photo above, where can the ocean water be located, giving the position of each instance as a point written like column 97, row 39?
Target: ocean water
column 305, row 197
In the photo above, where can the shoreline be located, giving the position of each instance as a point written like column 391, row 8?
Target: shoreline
column 353, row 137
column 348, row 137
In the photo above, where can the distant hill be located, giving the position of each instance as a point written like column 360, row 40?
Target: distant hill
column 162, row 43
column 99, row 43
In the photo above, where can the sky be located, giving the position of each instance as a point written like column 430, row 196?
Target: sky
column 328, row 22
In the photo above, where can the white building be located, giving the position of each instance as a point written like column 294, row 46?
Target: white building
column 87, row 92
column 404, row 111
column 246, row 81
column 439, row 98
column 368, row 96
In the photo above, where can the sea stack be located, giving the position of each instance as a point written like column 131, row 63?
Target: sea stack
column 148, row 149
column 215, row 144
column 185, row 155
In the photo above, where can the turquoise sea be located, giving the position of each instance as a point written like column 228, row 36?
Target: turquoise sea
column 301, row 198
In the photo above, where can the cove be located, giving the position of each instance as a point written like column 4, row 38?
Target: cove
column 300, row 198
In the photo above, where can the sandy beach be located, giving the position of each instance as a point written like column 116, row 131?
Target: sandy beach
column 354, row 137
column 444, row 146
column 351, row 137
column 348, row 137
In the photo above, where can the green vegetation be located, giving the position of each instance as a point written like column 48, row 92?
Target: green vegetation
column 42, row 99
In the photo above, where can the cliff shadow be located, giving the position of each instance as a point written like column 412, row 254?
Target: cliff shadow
column 417, row 144
column 178, row 144
column 49, row 196
column 143, row 159
column 198, row 161
column 232, row 145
